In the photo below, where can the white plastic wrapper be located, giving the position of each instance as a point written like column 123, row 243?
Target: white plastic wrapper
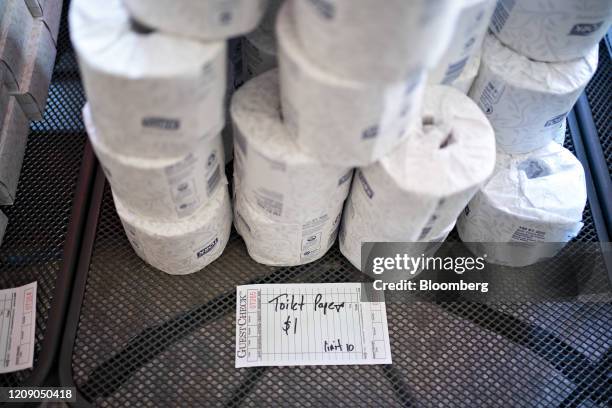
column 532, row 198
column 560, row 137
column 162, row 189
column 527, row 101
column 283, row 244
column 465, row 44
column 419, row 190
column 350, row 247
column 276, row 177
column 259, row 53
column 182, row 247
column 468, row 75
column 339, row 120
column 370, row 41
column 553, row 31
column 151, row 94
column 201, row 19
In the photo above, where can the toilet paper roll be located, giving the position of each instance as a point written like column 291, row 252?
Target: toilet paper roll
column 526, row 204
column 163, row 189
column 182, row 247
column 283, row 244
column 362, row 40
column 466, row 42
column 259, row 53
column 527, row 101
column 339, row 120
column 200, row 19
column 417, row 192
column 276, row 177
column 151, row 94
column 553, row 31
column 350, row 247
column 468, row 75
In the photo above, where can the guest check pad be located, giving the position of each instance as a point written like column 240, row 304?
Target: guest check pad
column 17, row 328
column 310, row 324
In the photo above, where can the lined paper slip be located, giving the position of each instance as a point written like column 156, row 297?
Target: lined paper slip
column 310, row 324
column 17, row 327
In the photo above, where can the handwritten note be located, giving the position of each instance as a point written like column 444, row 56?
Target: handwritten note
column 17, row 327
column 309, row 324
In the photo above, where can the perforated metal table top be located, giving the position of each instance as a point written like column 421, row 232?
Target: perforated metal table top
column 39, row 227
column 151, row 339
column 142, row 337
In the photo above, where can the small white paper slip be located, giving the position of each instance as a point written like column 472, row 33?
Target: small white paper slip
column 17, row 327
column 310, row 324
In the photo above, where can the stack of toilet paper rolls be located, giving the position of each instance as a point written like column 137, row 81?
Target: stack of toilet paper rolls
column 287, row 203
column 537, row 60
column 417, row 192
column 535, row 63
column 527, row 101
column 155, row 79
column 352, row 73
column 353, row 76
column 351, row 87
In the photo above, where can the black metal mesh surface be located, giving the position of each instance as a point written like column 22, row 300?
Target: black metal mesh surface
column 33, row 245
column 150, row 339
column 599, row 95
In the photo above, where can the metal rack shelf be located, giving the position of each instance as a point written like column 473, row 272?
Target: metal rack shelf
column 135, row 335
column 144, row 337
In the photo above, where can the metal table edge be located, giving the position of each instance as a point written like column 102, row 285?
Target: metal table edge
column 80, row 282
column 57, row 311
column 594, row 199
column 595, row 157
